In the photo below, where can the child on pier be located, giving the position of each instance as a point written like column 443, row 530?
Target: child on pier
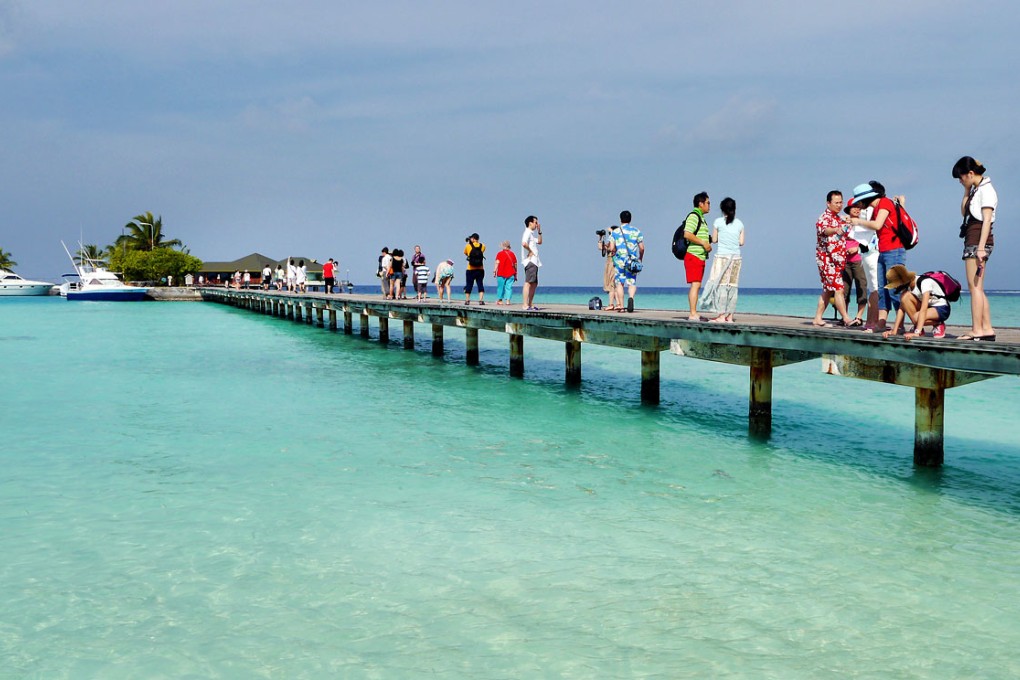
column 923, row 299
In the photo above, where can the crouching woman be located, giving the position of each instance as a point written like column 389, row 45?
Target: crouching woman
column 922, row 300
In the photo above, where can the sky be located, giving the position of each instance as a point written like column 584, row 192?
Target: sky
column 320, row 129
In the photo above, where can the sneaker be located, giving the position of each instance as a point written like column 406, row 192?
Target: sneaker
column 940, row 331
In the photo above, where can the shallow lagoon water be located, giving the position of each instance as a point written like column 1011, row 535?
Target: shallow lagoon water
column 190, row 490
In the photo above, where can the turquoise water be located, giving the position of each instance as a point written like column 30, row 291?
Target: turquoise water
column 191, row 490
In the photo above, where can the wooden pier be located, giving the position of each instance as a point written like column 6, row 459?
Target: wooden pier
column 760, row 342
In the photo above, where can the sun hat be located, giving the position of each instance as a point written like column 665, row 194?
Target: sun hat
column 863, row 192
column 898, row 276
column 849, row 204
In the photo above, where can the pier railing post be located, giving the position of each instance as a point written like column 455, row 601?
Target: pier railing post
column 649, row 377
column 437, row 340
column 929, row 413
column 516, row 356
column 759, row 412
column 408, row 334
column 471, row 346
column 572, row 359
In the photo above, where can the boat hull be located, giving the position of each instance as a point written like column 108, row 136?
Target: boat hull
column 108, row 295
column 25, row 289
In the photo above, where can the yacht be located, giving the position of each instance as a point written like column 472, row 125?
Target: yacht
column 12, row 284
column 94, row 282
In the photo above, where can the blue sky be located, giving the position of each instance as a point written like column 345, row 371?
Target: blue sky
column 332, row 129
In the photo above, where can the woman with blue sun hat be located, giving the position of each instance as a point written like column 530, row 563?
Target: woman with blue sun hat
column 890, row 249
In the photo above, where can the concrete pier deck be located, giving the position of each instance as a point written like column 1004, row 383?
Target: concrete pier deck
column 760, row 342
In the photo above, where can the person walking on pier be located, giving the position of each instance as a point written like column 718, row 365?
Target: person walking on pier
column 978, row 209
column 267, row 277
column 531, row 239
column 698, row 247
column 505, row 273
column 474, row 251
column 327, row 276
column 628, row 258
column 830, row 255
column 280, row 277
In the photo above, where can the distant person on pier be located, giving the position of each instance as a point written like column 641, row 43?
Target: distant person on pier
column 383, row 273
column 417, row 260
column 474, row 251
column 607, row 246
column 267, row 277
column 291, row 276
column 720, row 293
column 396, row 273
column 890, row 248
column 699, row 245
column 978, row 209
column 505, row 273
column 922, row 300
column 237, row 279
column 421, row 279
column 327, row 276
column 628, row 258
column 246, row 279
column 531, row 239
column 867, row 247
column 444, row 277
column 281, row 277
column 830, row 256
column 302, row 277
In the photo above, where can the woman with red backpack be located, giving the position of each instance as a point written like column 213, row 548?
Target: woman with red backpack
column 891, row 250
column 978, row 210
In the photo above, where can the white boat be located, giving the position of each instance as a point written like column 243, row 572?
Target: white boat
column 97, row 283
column 12, row 284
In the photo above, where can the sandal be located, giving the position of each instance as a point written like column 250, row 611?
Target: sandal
column 855, row 323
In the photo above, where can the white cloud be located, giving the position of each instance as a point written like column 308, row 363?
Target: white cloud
column 742, row 122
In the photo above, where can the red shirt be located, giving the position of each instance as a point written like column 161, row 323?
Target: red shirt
column 327, row 270
column 887, row 238
column 506, row 263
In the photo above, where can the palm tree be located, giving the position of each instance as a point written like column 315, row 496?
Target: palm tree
column 90, row 253
column 145, row 232
column 5, row 260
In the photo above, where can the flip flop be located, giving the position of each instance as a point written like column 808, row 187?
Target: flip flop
column 821, row 325
column 985, row 338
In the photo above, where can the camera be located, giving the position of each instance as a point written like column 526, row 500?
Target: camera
column 600, row 232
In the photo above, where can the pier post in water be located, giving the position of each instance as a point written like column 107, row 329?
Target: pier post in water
column 649, row 377
column 348, row 322
column 408, row 334
column 437, row 340
column 760, row 401
column 332, row 319
column 364, row 323
column 471, row 346
column 929, row 413
column 573, row 362
column 319, row 314
column 516, row 356
column 384, row 329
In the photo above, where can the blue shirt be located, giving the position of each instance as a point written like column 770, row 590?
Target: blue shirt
column 729, row 236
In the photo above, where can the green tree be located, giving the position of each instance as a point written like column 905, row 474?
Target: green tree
column 145, row 232
column 5, row 260
column 155, row 265
column 91, row 253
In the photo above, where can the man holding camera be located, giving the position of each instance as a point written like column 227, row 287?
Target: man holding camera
column 530, row 241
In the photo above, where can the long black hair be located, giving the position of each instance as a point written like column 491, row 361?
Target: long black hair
column 729, row 208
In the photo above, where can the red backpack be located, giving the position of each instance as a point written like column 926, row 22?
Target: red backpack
column 906, row 227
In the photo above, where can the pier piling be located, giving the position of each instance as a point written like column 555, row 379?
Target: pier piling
column 471, row 346
column 408, row 334
column 516, row 356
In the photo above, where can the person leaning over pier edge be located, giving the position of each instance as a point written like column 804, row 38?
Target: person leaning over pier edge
column 890, row 249
column 698, row 248
column 978, row 210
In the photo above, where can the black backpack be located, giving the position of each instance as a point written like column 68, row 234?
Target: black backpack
column 679, row 242
column 476, row 258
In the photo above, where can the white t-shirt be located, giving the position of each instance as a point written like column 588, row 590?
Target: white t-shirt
column 929, row 286
column 983, row 196
column 530, row 239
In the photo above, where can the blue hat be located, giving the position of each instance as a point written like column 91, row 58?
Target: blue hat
column 863, row 192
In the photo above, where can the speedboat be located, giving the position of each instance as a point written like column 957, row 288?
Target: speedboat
column 12, row 284
column 97, row 283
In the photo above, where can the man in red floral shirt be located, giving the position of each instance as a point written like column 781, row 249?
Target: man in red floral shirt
column 830, row 256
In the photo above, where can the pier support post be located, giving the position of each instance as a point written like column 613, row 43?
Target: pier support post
column 408, row 334
column 573, row 362
column 348, row 323
column 649, row 377
column 319, row 314
column 364, row 323
column 516, row 356
column 292, row 312
column 471, row 346
column 437, row 340
column 332, row 319
column 309, row 313
column 760, row 401
column 299, row 312
column 929, row 412
column 384, row 329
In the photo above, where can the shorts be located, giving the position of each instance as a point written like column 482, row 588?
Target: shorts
column 943, row 311
column 421, row 287
column 396, row 276
column 475, row 276
column 531, row 273
column 694, row 266
column 625, row 278
column 970, row 252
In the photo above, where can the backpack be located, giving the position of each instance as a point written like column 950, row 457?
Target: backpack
column 680, row 244
column 476, row 258
column 906, row 227
column 949, row 285
column 595, row 303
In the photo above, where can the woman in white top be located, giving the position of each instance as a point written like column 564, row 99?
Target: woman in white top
column 720, row 293
column 978, row 210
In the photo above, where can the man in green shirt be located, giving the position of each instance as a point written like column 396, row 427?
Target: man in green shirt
column 698, row 247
